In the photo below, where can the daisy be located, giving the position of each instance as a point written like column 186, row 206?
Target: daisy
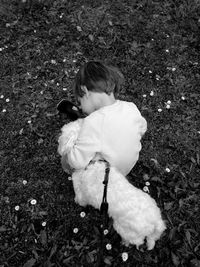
column 108, row 246
column 124, row 256
column 33, row 202
column 105, row 232
column 82, row 214
column 152, row 93
column 44, row 224
column 75, row 230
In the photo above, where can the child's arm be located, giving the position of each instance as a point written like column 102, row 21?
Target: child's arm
column 87, row 144
column 69, row 134
column 142, row 126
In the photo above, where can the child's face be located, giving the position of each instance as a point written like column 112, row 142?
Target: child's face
column 87, row 104
column 92, row 100
column 87, row 101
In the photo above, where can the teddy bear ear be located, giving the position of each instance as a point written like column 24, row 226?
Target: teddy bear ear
column 68, row 108
column 64, row 106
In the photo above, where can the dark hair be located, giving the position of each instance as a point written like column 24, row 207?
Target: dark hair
column 98, row 77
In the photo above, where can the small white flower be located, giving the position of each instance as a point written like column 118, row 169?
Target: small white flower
column 124, row 256
column 74, row 60
column 183, row 98
column 167, row 170
column 108, row 246
column 169, row 102
column 147, row 184
column 79, row 28
column 41, row 92
column 34, row 31
column 167, row 50
column 2, row 96
column 33, row 202
column 29, row 121
column 173, row 69
column 53, row 61
column 150, row 71
column 24, row 182
column 7, row 100
column 44, row 224
column 168, row 106
column 144, row 96
column 1, row 48
column 146, row 189
column 157, row 77
column 152, row 39
column 152, row 93
column 57, row 84
column 64, row 89
column 64, row 60
column 69, row 178
column 4, row 110
column 105, row 232
column 17, row 208
column 167, row 35
column 160, row 110
column 75, row 230
column 82, row 214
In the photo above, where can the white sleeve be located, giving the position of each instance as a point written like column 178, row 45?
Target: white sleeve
column 87, row 144
column 142, row 126
column 69, row 133
column 140, row 122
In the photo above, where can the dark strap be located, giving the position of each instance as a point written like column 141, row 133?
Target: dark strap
column 104, row 204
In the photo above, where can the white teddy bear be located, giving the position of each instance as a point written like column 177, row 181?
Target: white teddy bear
column 135, row 214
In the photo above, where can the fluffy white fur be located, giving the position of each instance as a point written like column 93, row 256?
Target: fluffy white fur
column 135, row 214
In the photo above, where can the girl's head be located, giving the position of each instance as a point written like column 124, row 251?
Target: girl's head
column 97, row 77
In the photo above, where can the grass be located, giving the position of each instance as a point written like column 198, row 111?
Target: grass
column 156, row 46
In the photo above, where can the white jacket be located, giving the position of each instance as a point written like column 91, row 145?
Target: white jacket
column 113, row 131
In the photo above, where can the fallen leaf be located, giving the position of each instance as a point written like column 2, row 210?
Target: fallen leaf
column 175, row 259
column 91, row 37
column 30, row 263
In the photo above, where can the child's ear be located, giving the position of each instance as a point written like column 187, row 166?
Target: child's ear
column 111, row 86
column 85, row 90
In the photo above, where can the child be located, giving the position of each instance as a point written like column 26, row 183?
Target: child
column 112, row 132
